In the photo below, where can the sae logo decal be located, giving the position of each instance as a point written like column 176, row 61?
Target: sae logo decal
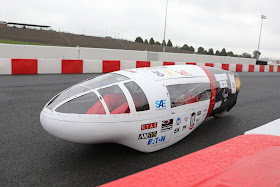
column 161, row 104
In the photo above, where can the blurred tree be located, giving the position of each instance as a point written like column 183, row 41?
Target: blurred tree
column 192, row 49
column 139, row 39
column 223, row 52
column 210, row 51
column 217, row 53
column 230, row 54
column 169, row 43
column 246, row 55
column 157, row 43
column 185, row 47
column 152, row 41
column 146, row 41
column 200, row 50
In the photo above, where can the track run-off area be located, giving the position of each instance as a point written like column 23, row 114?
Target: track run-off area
column 32, row 157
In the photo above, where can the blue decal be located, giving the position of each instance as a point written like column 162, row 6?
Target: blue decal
column 156, row 140
column 178, row 121
column 161, row 103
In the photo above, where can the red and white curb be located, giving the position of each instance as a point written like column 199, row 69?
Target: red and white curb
column 247, row 160
column 57, row 66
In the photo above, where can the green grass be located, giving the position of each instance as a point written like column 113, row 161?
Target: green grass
column 22, row 43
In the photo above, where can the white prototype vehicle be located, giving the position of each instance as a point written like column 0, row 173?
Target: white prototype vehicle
column 146, row 109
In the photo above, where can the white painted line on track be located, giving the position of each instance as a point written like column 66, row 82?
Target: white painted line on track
column 271, row 128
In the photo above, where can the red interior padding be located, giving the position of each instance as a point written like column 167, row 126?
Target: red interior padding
column 168, row 63
column 251, row 68
column 111, row 65
column 190, row 63
column 124, row 108
column 24, row 66
column 96, row 109
column 141, row 64
column 225, row 67
column 239, row 67
column 72, row 66
column 261, row 68
column 209, row 64
column 196, row 168
column 113, row 101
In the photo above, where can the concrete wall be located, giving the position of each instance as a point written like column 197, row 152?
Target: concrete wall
column 50, row 52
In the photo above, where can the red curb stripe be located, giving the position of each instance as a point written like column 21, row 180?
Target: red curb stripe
column 168, row 63
column 261, row 68
column 225, row 67
column 142, row 64
column 111, row 65
column 72, row 66
column 190, row 63
column 209, row 64
column 251, row 68
column 198, row 167
column 24, row 66
column 239, row 67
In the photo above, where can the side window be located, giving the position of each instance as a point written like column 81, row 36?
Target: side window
column 86, row 104
column 138, row 96
column 115, row 100
column 182, row 94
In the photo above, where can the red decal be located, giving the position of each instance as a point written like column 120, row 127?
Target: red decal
column 213, row 90
column 149, row 126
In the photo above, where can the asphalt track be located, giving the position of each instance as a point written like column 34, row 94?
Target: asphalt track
column 29, row 156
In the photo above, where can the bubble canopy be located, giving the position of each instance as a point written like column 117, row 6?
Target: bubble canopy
column 85, row 86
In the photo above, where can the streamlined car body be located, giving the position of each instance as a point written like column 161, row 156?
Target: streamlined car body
column 146, row 109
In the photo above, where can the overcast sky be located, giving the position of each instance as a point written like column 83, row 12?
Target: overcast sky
column 231, row 24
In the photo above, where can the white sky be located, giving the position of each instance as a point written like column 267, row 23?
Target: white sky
column 234, row 25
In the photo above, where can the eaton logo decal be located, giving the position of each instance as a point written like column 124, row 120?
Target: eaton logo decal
column 161, row 104
column 178, row 121
column 157, row 140
column 147, row 135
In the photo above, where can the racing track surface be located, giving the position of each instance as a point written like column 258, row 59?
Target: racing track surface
column 31, row 156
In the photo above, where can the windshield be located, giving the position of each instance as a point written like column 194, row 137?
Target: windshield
column 89, row 84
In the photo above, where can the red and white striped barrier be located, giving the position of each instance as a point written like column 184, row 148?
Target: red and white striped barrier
column 55, row 66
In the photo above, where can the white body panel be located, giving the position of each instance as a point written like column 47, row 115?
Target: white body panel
column 126, row 128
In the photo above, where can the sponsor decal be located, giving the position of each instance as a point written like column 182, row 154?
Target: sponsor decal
column 176, row 130
column 149, row 126
column 217, row 105
column 147, row 135
column 184, row 127
column 232, row 83
column 166, row 125
column 184, row 73
column 168, row 72
column 198, row 113
column 223, row 84
column 224, row 95
column 205, row 110
column 221, row 77
column 178, row 121
column 156, row 140
column 158, row 73
column 186, row 119
column 198, row 119
column 161, row 104
column 192, row 121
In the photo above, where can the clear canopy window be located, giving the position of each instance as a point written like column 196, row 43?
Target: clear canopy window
column 86, row 104
column 138, row 96
column 93, row 83
column 182, row 94
column 115, row 100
